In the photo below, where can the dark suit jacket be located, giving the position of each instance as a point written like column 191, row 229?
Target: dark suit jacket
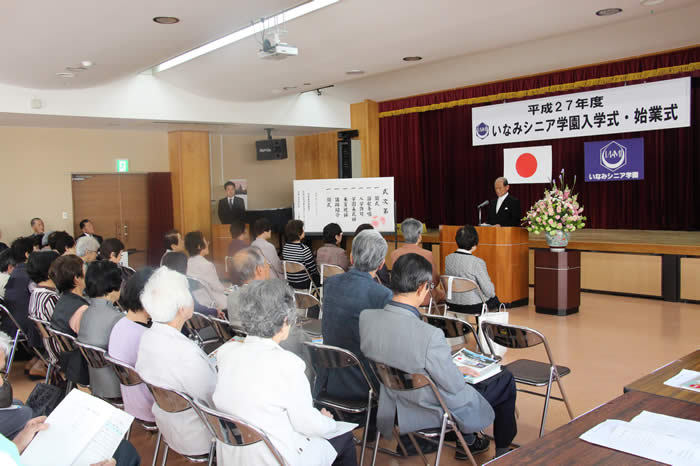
column 509, row 213
column 97, row 237
column 17, row 300
column 228, row 214
column 345, row 296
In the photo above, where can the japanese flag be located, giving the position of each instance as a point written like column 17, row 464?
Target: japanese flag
column 528, row 164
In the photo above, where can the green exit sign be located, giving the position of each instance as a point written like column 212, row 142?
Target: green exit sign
column 122, row 165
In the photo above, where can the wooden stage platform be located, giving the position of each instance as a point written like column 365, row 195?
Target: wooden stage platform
column 648, row 263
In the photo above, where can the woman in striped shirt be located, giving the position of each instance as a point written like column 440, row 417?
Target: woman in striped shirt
column 44, row 296
column 295, row 251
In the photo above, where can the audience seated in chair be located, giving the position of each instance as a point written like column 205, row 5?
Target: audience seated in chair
column 37, row 226
column 7, row 265
column 295, row 250
column 177, row 261
column 112, row 250
column 345, row 296
column 262, row 231
column 383, row 339
column 17, row 290
column 463, row 264
column 203, row 270
column 261, row 382
column 42, row 301
column 383, row 275
column 62, row 242
column 88, row 229
column 173, row 242
column 251, row 266
column 67, row 274
column 239, row 240
column 331, row 252
column 169, row 359
column 124, row 343
column 412, row 231
column 87, row 248
column 12, row 421
column 102, row 283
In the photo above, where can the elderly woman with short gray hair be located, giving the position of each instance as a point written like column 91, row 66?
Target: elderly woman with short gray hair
column 412, row 231
column 86, row 248
column 275, row 394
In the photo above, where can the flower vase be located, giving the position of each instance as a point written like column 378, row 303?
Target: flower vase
column 557, row 240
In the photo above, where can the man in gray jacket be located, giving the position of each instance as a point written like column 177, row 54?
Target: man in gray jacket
column 396, row 336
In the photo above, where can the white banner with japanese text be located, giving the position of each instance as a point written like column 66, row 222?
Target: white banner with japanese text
column 349, row 202
column 624, row 109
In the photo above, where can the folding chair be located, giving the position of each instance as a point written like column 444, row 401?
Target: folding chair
column 454, row 329
column 95, row 357
column 528, row 371
column 331, row 357
column 305, row 301
column 51, row 348
column 395, row 379
column 227, row 260
column 173, row 401
column 128, row 377
column 233, row 431
column 297, row 267
column 453, row 284
column 197, row 324
column 20, row 337
column 225, row 330
column 329, row 270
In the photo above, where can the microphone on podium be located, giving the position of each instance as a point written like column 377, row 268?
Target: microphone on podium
column 478, row 208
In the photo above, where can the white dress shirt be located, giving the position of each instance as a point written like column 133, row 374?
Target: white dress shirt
column 499, row 202
column 169, row 359
column 205, row 271
column 265, row 384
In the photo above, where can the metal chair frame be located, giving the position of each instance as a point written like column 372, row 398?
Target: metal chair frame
column 173, row 401
column 333, row 357
column 298, row 267
column 464, row 285
column 396, row 379
column 128, row 377
column 233, row 431
column 329, row 270
column 304, row 301
column 518, row 337
column 202, row 285
column 227, row 259
column 19, row 338
column 225, row 330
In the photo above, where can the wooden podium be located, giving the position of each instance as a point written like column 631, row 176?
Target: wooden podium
column 505, row 251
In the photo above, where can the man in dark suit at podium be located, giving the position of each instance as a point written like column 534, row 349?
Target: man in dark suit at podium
column 231, row 207
column 504, row 211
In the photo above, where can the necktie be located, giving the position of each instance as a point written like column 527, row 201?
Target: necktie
column 230, row 202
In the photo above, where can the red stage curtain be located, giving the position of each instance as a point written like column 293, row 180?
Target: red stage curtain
column 441, row 177
column 160, row 214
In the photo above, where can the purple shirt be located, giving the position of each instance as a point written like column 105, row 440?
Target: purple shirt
column 124, row 345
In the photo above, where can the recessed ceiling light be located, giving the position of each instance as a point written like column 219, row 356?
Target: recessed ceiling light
column 651, row 2
column 75, row 69
column 166, row 19
column 412, row 58
column 288, row 88
column 608, row 11
column 307, row 84
column 276, row 20
column 86, row 63
column 355, row 72
column 65, row 75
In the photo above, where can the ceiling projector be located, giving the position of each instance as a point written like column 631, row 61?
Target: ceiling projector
column 273, row 49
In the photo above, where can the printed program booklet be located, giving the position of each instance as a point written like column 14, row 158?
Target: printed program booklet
column 484, row 365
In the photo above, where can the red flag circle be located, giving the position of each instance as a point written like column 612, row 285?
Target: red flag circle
column 526, row 165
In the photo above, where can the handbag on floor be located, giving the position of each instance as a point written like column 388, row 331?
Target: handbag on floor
column 44, row 398
column 498, row 317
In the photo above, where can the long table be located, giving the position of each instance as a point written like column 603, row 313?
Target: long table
column 562, row 446
column 654, row 383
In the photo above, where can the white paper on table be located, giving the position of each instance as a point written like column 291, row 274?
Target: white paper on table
column 682, row 377
column 73, row 429
column 683, row 429
column 644, row 442
column 341, row 427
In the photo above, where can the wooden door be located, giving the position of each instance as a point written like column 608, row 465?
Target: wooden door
column 117, row 205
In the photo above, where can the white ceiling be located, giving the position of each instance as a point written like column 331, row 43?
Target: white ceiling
column 42, row 37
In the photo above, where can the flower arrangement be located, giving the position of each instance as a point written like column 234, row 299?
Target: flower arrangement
column 558, row 211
